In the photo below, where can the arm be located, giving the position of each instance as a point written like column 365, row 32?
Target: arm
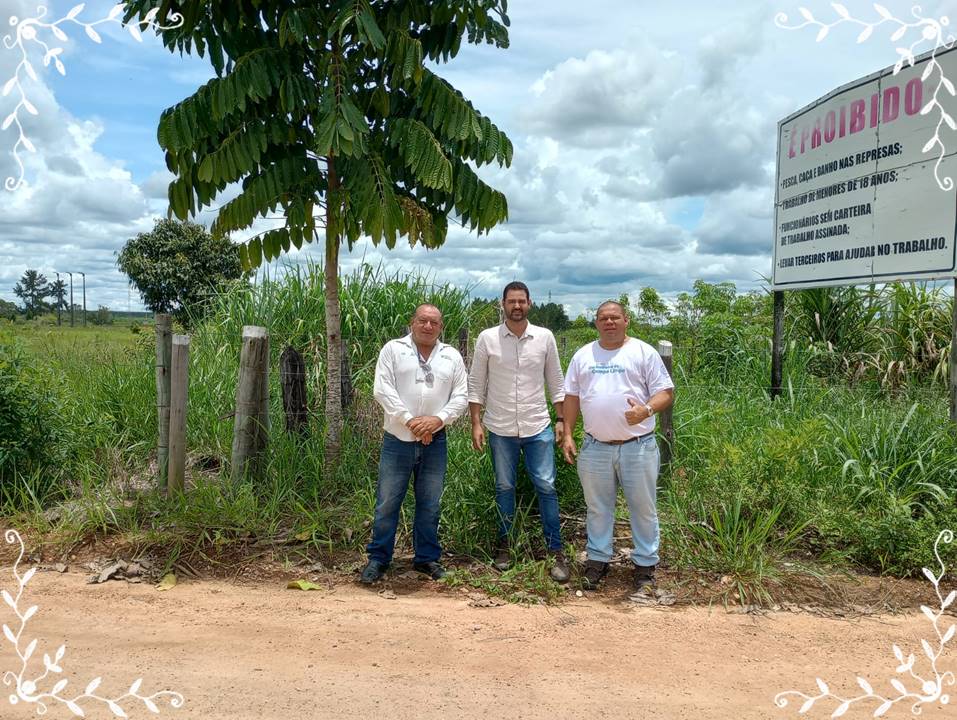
column 458, row 398
column 661, row 391
column 659, row 401
column 571, row 406
column 425, row 426
column 384, row 389
column 478, row 432
column 556, row 386
column 478, row 389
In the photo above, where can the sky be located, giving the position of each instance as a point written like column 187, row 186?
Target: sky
column 644, row 134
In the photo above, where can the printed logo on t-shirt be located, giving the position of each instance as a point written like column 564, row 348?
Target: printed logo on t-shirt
column 606, row 369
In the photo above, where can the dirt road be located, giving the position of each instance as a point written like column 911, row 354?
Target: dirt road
column 261, row 651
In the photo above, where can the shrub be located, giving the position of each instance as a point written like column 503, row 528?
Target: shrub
column 34, row 438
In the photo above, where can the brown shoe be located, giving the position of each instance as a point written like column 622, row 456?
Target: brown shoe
column 595, row 570
column 503, row 555
column 559, row 570
column 644, row 576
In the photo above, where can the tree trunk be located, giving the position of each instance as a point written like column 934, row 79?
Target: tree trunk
column 333, row 445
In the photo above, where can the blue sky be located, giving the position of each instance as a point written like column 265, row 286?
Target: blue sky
column 644, row 136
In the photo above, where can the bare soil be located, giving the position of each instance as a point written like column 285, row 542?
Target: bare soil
column 250, row 648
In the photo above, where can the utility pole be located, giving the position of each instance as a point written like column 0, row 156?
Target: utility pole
column 84, row 298
column 59, row 300
column 72, row 319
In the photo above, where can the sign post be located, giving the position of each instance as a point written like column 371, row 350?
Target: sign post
column 865, row 190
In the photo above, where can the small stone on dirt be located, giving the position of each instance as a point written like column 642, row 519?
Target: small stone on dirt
column 60, row 568
column 112, row 571
column 387, row 594
column 482, row 601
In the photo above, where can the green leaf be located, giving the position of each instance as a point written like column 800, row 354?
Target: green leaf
column 303, row 585
column 167, row 583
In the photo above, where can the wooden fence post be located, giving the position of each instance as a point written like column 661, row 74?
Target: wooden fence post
column 563, row 345
column 179, row 391
column 292, row 377
column 777, row 345
column 665, row 417
column 252, row 396
column 464, row 344
column 164, row 349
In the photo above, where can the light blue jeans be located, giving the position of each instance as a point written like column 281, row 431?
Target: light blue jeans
column 634, row 466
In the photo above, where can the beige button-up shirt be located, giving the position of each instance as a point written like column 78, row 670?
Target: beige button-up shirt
column 508, row 377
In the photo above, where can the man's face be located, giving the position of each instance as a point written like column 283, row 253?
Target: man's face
column 516, row 305
column 426, row 326
column 611, row 323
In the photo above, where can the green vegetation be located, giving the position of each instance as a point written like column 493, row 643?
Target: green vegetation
column 177, row 267
column 849, row 469
column 332, row 111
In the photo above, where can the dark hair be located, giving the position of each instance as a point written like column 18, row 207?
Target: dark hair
column 516, row 285
column 611, row 302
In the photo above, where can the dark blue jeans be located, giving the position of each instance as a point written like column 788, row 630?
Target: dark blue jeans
column 539, row 453
column 426, row 465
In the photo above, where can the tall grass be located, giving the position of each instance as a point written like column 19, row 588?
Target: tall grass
column 831, row 473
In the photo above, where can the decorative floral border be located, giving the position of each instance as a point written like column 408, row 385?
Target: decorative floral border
column 931, row 688
column 29, row 31
column 27, row 689
column 929, row 31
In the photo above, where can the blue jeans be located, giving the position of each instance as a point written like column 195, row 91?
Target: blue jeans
column 634, row 465
column 426, row 465
column 539, row 453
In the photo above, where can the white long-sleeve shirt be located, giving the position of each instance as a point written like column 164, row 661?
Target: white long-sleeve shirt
column 402, row 391
column 508, row 377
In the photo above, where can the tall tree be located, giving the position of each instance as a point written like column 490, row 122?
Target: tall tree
column 328, row 107
column 178, row 266
column 58, row 291
column 550, row 315
column 33, row 289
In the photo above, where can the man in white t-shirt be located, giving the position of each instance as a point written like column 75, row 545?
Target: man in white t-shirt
column 618, row 383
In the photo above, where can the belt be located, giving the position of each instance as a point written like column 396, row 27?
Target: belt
column 622, row 442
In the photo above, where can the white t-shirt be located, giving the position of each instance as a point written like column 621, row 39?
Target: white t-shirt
column 603, row 380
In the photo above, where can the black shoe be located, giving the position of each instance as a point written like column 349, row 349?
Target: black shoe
column 503, row 555
column 595, row 570
column 433, row 569
column 559, row 570
column 373, row 572
column 644, row 576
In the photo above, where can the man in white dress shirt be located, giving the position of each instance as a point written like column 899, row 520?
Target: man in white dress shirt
column 511, row 365
column 619, row 383
column 422, row 385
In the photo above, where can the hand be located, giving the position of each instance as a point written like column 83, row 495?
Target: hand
column 569, row 449
column 559, row 432
column 425, row 438
column 478, row 437
column 424, row 424
column 636, row 413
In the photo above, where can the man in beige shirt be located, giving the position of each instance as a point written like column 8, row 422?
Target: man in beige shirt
column 511, row 365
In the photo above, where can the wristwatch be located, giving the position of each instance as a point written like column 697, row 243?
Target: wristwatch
column 650, row 410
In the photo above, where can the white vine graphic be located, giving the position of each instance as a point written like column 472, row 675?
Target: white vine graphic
column 930, row 688
column 927, row 32
column 29, row 32
column 27, row 689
